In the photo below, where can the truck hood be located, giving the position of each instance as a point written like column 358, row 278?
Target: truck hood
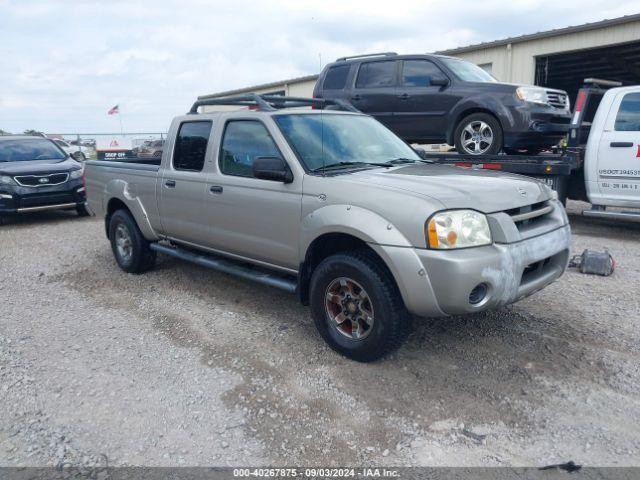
column 457, row 187
column 36, row 167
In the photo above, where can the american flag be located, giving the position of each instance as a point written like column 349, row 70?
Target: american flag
column 113, row 111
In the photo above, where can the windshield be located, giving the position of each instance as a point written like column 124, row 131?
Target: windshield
column 24, row 150
column 467, row 71
column 329, row 139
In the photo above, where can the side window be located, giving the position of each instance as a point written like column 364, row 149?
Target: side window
column 336, row 77
column 628, row 118
column 243, row 142
column 418, row 73
column 191, row 146
column 376, row 74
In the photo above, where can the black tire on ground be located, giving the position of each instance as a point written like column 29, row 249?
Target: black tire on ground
column 82, row 210
column 391, row 321
column 475, row 120
column 139, row 257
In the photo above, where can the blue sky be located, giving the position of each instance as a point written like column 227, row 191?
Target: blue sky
column 65, row 63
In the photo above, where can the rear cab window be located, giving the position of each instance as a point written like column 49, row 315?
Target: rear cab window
column 377, row 74
column 191, row 146
column 628, row 116
column 336, row 77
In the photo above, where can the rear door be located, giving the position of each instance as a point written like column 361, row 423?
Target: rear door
column 619, row 151
column 421, row 108
column 183, row 186
column 374, row 89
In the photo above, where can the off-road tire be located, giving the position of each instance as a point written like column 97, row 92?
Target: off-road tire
column 392, row 322
column 490, row 120
column 142, row 258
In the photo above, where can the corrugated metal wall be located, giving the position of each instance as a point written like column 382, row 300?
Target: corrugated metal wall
column 516, row 62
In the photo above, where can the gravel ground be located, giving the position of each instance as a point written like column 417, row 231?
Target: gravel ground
column 185, row 366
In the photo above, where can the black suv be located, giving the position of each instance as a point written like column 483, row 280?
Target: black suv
column 36, row 175
column 439, row 99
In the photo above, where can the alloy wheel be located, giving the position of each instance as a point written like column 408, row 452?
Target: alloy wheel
column 477, row 137
column 349, row 308
column 124, row 244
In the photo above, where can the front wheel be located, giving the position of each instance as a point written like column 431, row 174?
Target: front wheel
column 130, row 249
column 82, row 210
column 478, row 134
column 356, row 306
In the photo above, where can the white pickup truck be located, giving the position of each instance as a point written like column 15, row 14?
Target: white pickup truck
column 601, row 164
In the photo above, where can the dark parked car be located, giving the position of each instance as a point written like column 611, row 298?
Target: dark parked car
column 439, row 99
column 36, row 174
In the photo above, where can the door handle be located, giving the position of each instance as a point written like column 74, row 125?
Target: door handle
column 170, row 183
column 356, row 97
column 621, row 144
column 404, row 96
column 215, row 189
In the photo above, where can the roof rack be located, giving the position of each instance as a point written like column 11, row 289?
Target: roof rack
column 367, row 55
column 272, row 102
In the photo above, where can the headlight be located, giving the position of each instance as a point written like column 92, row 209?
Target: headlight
column 458, row 229
column 5, row 180
column 532, row 94
column 76, row 174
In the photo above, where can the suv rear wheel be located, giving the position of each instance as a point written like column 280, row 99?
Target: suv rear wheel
column 130, row 249
column 356, row 306
column 478, row 134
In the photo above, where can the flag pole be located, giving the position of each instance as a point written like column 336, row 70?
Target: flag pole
column 120, row 118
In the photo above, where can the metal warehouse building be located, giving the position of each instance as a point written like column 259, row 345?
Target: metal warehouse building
column 561, row 58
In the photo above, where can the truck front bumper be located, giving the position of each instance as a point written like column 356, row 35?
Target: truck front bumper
column 454, row 282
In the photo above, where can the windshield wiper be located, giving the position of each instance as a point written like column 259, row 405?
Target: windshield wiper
column 350, row 164
column 399, row 160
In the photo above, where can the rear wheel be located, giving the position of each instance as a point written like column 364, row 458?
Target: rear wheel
column 478, row 134
column 357, row 307
column 130, row 249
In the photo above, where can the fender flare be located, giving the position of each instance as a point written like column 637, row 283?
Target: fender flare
column 351, row 220
column 126, row 193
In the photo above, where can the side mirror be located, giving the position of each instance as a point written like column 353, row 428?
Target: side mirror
column 272, row 168
column 77, row 156
column 439, row 81
column 422, row 153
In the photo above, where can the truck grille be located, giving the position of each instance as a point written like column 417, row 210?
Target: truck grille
column 529, row 214
column 557, row 99
column 42, row 180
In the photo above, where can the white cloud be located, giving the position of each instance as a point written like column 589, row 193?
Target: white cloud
column 65, row 63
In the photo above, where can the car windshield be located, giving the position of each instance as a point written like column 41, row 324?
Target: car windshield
column 326, row 140
column 467, row 71
column 24, row 150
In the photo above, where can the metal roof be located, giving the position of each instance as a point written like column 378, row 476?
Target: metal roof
column 546, row 34
column 263, row 86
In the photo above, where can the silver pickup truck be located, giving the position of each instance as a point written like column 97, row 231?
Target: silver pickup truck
column 331, row 205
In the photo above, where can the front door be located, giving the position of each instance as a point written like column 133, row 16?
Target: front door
column 421, row 108
column 619, row 151
column 249, row 217
column 183, row 186
column 375, row 90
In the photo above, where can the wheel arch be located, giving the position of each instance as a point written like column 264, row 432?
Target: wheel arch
column 324, row 246
column 339, row 228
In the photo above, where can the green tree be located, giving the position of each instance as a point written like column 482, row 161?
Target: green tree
column 4, row 132
column 35, row 133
